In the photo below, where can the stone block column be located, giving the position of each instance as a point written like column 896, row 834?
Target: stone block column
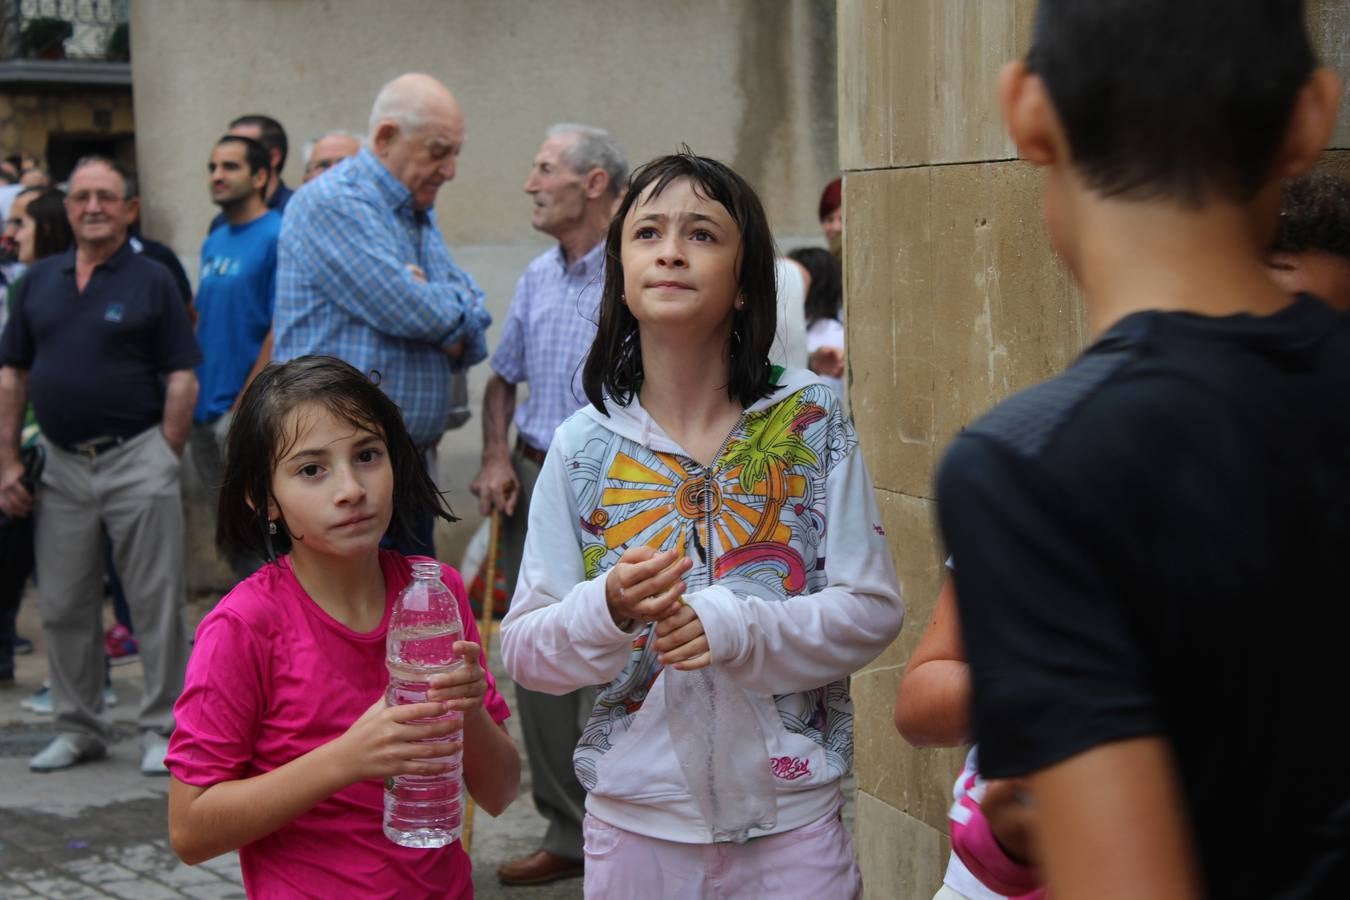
column 953, row 300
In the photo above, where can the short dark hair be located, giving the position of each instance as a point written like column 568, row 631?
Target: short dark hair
column 826, row 293
column 255, row 154
column 129, row 186
column 1163, row 99
column 270, row 134
column 1315, row 215
column 52, row 233
column 258, row 440
column 614, row 364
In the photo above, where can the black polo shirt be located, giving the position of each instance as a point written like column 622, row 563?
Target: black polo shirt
column 97, row 360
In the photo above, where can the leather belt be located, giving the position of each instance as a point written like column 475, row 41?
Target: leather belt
column 534, row 454
column 95, row 447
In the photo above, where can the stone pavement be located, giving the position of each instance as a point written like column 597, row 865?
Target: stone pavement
column 100, row 830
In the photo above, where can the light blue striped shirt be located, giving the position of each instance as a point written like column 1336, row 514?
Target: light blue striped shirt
column 344, row 289
column 548, row 332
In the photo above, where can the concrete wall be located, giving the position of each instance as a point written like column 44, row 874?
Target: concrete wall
column 954, row 301
column 748, row 81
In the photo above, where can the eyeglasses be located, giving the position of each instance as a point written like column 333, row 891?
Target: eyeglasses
column 104, row 198
column 322, row 165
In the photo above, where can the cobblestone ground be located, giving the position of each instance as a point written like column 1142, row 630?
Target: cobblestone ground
column 100, row 829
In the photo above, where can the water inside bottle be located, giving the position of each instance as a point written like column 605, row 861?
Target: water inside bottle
column 423, row 810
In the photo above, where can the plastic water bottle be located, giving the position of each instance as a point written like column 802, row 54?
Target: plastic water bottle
column 423, row 810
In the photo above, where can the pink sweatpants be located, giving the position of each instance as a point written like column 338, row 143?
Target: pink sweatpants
column 814, row 862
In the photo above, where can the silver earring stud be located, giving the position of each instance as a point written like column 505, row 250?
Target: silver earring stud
column 271, row 527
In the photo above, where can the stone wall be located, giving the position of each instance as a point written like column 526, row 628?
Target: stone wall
column 954, row 301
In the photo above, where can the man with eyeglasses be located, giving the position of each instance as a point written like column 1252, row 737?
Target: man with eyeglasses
column 363, row 273
column 99, row 340
column 327, row 150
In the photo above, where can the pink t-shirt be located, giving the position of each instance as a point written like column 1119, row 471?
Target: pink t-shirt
column 271, row 677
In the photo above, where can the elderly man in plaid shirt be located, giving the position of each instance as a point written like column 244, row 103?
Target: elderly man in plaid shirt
column 577, row 178
column 363, row 273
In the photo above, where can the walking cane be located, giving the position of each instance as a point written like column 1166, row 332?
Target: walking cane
column 486, row 625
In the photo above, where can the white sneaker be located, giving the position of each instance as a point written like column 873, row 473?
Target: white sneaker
column 40, row 701
column 154, row 748
column 67, row 750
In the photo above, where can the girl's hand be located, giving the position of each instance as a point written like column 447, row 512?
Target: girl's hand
column 681, row 641
column 645, row 586
column 462, row 689
column 384, row 741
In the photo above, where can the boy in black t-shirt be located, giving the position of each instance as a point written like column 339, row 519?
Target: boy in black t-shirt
column 1154, row 547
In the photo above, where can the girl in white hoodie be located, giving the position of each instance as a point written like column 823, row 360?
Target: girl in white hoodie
column 710, row 514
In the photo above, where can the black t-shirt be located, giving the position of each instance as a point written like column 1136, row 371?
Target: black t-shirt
column 168, row 259
column 1157, row 542
column 96, row 360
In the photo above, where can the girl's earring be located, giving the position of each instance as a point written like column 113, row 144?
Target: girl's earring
column 271, row 527
column 740, row 301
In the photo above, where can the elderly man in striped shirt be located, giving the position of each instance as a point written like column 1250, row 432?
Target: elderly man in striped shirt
column 363, row 273
column 577, row 177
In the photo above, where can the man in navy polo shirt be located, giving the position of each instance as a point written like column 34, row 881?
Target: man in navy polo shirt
column 234, row 301
column 99, row 340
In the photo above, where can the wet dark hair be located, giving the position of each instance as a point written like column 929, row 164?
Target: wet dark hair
column 1163, row 99
column 51, row 232
column 256, row 156
column 614, row 364
column 1315, row 215
column 258, row 440
column 826, row 293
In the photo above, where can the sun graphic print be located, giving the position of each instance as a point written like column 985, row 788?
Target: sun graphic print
column 656, row 499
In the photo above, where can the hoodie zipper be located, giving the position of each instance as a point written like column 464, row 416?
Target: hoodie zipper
column 709, row 472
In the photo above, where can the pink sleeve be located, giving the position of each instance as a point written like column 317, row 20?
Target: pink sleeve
column 493, row 702
column 219, row 711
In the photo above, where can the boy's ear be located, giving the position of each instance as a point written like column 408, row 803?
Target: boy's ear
column 1029, row 116
column 1310, row 124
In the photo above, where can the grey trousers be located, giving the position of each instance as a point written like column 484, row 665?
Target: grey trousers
column 133, row 491
column 551, row 725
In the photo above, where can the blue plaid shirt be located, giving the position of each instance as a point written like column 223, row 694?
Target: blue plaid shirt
column 549, row 330
column 344, row 289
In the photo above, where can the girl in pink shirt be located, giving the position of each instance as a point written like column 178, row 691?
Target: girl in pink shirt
column 283, row 738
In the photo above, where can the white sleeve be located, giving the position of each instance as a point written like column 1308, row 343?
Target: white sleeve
column 779, row 647
column 558, row 635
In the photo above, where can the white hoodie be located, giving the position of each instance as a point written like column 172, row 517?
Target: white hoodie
column 789, row 485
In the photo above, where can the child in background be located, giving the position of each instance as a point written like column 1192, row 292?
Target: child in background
column 1152, row 545
column 1311, row 250
column 824, row 303
column 991, row 824
column 705, row 510
column 283, row 738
